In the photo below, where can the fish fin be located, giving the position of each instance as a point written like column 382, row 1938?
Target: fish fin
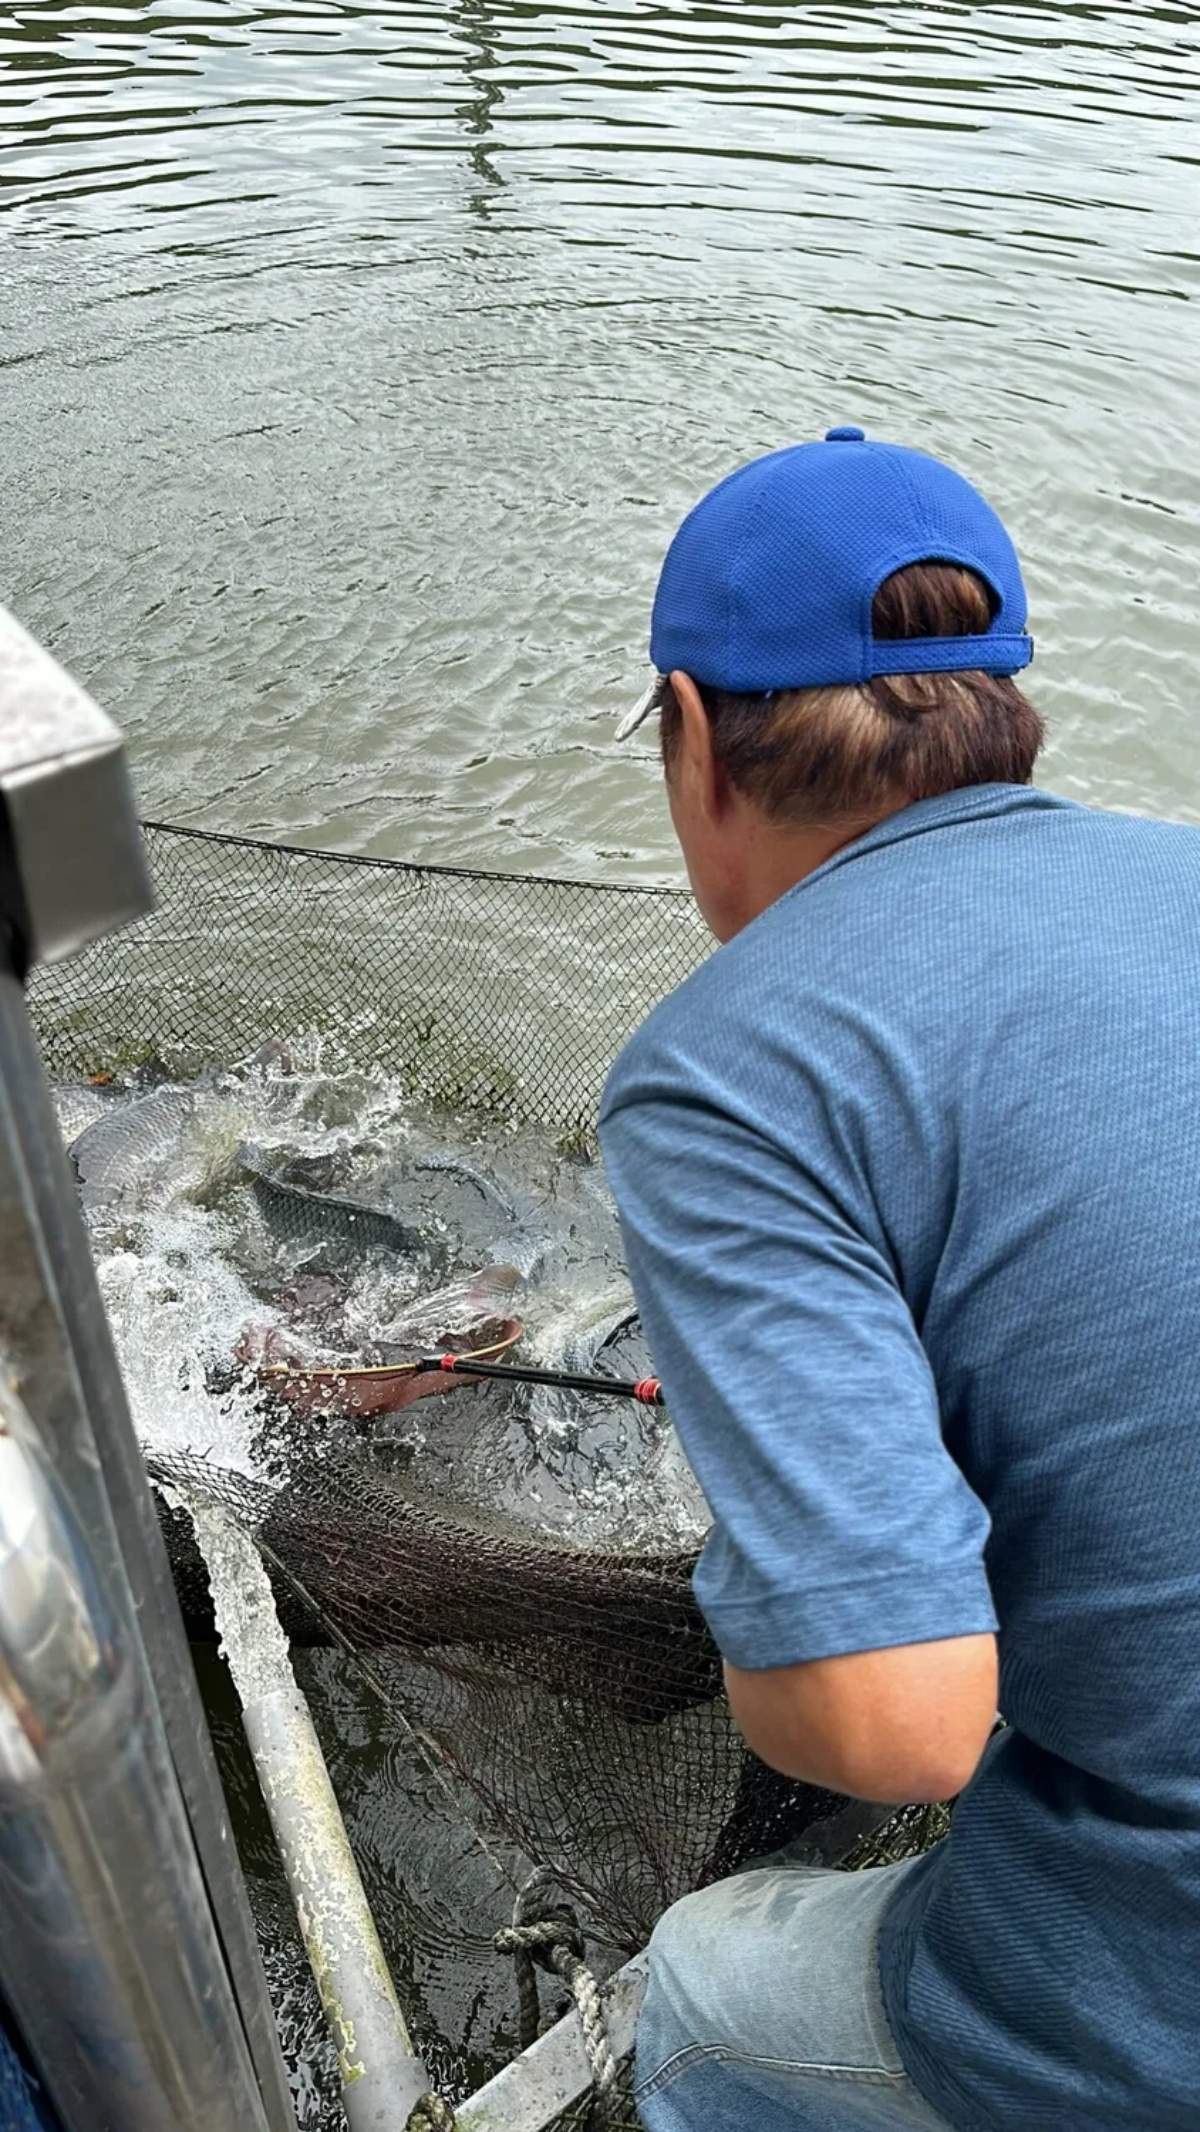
column 494, row 1284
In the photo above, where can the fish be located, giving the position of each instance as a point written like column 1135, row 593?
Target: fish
column 124, row 1151
column 435, row 1212
column 469, row 1318
column 621, row 1350
column 78, row 1104
column 131, row 1153
column 150, row 1139
column 294, row 1197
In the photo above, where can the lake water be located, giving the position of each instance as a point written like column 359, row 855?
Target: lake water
column 358, row 361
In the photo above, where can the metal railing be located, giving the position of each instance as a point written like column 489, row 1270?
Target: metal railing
column 127, row 1951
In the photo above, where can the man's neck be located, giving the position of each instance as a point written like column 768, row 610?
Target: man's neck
column 774, row 857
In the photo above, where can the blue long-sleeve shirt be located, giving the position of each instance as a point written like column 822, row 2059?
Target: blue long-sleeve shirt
column 909, row 1179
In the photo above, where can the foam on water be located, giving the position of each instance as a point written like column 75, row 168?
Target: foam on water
column 176, row 1307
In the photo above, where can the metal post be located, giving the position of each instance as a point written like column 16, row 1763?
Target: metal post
column 199, row 2041
column 108, row 1957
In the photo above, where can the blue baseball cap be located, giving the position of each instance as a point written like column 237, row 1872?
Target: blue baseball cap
column 770, row 580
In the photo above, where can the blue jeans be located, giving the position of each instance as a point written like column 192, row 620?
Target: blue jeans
column 764, row 2014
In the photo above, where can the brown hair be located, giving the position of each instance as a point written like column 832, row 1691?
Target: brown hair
column 825, row 755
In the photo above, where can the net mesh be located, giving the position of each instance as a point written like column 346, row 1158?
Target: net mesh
column 572, row 1690
column 506, row 993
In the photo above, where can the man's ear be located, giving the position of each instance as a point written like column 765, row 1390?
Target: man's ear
column 697, row 758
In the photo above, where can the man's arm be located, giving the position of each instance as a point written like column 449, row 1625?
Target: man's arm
column 843, row 1578
column 904, row 1724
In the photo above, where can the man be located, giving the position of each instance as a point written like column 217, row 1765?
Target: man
column 909, row 1178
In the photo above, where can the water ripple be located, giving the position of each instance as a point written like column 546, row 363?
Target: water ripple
column 359, row 360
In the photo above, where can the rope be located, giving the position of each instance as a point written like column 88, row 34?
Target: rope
column 554, row 1941
column 431, row 2114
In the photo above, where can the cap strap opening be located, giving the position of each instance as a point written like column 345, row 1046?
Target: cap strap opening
column 998, row 652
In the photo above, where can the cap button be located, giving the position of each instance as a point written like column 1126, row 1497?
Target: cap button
column 847, row 434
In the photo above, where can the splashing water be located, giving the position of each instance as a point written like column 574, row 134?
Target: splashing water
column 189, row 1263
column 176, row 1307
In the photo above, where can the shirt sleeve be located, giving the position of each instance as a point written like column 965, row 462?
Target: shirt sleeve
column 796, row 1380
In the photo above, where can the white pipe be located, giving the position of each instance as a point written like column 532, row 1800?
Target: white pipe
column 382, row 2077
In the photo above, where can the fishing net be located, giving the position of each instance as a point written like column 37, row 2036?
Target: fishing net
column 567, row 1691
column 574, row 1690
column 504, row 993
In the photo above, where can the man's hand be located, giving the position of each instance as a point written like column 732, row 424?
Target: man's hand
column 907, row 1724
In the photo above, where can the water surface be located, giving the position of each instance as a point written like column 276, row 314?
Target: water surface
column 359, row 360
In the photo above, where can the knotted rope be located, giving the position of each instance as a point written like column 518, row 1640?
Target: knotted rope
column 554, row 1941
column 431, row 2114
